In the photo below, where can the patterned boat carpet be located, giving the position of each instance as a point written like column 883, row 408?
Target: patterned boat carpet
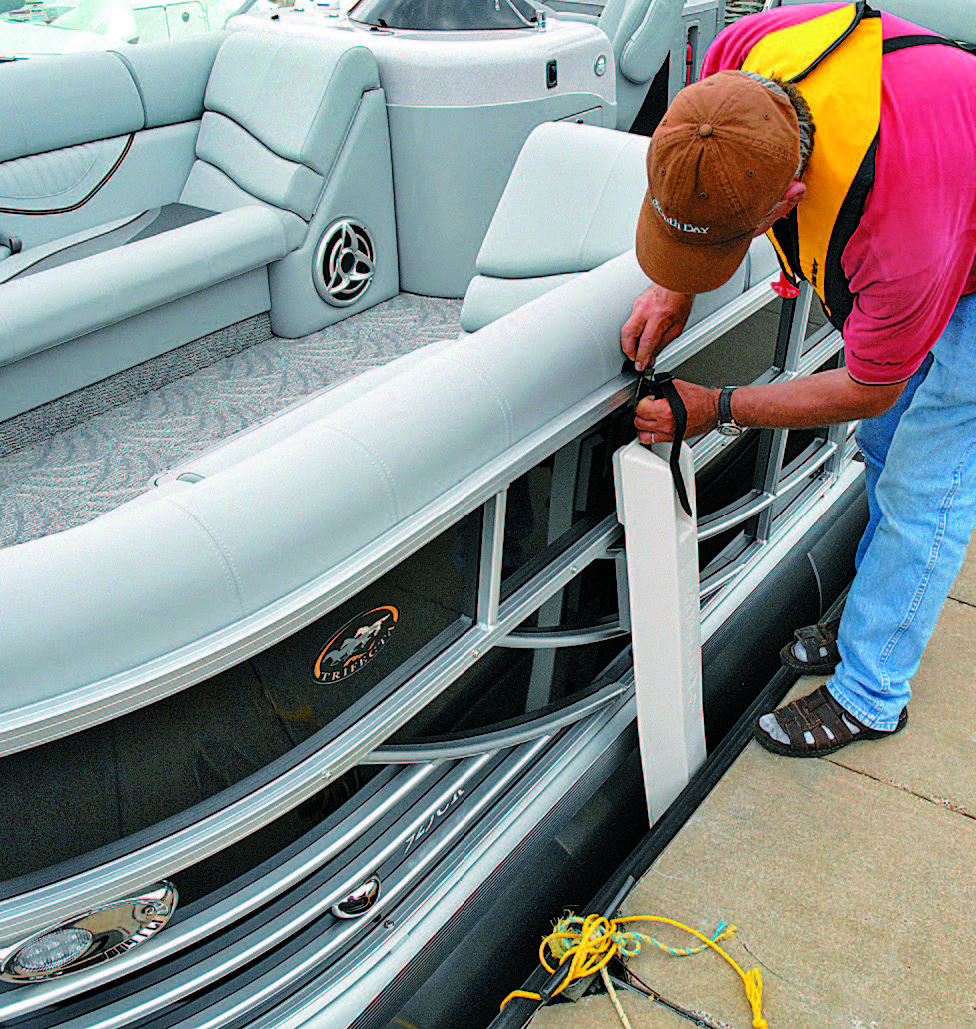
column 66, row 462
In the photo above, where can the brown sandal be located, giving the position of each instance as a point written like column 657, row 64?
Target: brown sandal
column 816, row 725
column 818, row 640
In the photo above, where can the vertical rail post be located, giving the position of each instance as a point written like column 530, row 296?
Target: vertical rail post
column 665, row 614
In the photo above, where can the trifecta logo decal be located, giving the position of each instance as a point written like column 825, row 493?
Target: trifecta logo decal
column 356, row 644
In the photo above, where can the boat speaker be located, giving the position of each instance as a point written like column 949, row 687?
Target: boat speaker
column 344, row 263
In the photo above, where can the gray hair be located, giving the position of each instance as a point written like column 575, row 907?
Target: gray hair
column 803, row 116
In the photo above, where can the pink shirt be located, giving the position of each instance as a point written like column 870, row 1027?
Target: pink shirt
column 914, row 252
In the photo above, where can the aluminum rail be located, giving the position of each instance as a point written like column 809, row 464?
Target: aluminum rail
column 503, row 738
column 434, row 904
column 533, row 639
column 705, row 332
column 292, row 919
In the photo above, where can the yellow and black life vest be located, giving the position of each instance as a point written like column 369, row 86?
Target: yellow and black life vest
column 837, row 58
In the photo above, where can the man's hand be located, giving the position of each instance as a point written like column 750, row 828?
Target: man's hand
column 653, row 417
column 658, row 317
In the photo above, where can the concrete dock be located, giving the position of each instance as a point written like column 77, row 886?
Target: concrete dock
column 851, row 878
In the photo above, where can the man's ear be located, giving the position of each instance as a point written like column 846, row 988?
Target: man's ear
column 795, row 192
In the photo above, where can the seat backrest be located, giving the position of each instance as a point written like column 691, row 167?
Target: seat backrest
column 642, row 33
column 276, row 111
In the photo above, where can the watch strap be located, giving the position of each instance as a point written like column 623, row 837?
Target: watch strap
column 725, row 406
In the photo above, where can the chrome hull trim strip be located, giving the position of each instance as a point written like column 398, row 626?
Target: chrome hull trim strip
column 424, row 793
column 404, row 870
column 406, row 929
column 191, row 931
column 392, row 848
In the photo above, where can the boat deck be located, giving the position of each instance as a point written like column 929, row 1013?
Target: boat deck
column 850, row 878
column 75, row 458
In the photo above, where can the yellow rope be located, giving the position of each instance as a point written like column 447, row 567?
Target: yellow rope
column 596, row 941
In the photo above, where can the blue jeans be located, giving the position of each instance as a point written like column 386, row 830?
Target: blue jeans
column 920, row 465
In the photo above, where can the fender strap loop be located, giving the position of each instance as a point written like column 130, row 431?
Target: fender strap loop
column 660, row 386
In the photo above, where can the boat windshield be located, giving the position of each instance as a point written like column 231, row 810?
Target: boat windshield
column 32, row 28
column 445, row 15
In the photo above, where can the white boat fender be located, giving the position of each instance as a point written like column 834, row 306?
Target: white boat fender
column 660, row 386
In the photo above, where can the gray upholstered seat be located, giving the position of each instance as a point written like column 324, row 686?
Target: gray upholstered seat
column 140, row 582
column 252, row 132
column 595, row 181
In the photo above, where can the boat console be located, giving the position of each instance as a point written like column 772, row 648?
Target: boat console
column 461, row 101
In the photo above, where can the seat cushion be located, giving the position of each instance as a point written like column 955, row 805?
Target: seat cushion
column 61, row 303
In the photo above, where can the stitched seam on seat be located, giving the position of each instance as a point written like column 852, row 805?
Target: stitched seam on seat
column 37, row 159
column 136, row 83
column 220, row 549
column 378, row 460
column 349, row 124
column 327, row 178
column 593, row 328
column 495, row 391
column 255, row 201
column 257, row 139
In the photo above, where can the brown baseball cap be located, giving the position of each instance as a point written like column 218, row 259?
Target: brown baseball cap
column 719, row 162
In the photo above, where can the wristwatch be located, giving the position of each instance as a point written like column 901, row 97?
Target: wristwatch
column 727, row 425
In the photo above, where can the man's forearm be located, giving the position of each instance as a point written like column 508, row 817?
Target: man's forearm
column 821, row 399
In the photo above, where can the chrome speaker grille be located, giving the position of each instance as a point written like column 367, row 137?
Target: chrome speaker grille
column 344, row 263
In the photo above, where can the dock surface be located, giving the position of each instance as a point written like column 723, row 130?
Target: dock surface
column 850, row 878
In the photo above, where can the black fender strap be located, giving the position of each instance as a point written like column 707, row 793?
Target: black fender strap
column 660, row 386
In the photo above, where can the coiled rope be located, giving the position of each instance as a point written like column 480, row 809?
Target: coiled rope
column 590, row 944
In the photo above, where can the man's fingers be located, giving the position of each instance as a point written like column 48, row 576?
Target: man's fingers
column 655, row 337
column 648, row 346
column 658, row 316
column 654, row 416
column 629, row 336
